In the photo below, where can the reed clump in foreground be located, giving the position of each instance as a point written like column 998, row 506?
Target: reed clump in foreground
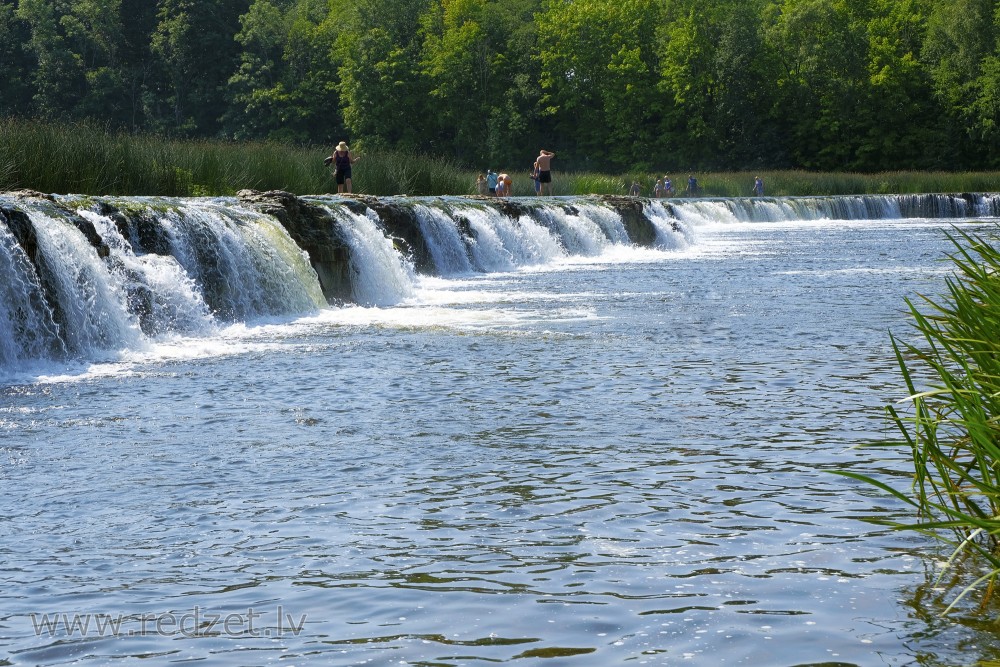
column 88, row 159
column 953, row 431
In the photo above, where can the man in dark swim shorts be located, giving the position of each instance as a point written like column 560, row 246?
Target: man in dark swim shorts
column 544, row 169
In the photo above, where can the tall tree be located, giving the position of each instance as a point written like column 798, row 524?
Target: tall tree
column 286, row 85
column 960, row 52
column 478, row 61
column 599, row 78
column 823, row 52
column 59, row 76
column 745, row 120
column 903, row 121
column 383, row 96
column 195, row 43
column 18, row 65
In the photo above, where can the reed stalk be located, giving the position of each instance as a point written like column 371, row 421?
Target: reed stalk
column 952, row 429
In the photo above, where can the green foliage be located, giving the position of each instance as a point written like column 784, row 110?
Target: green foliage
column 598, row 77
column 832, row 85
column 195, row 44
column 952, row 378
column 89, row 159
column 285, row 87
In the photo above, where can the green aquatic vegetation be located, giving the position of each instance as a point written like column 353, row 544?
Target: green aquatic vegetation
column 584, row 184
column 87, row 158
column 952, row 426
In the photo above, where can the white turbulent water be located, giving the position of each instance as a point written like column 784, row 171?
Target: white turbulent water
column 614, row 455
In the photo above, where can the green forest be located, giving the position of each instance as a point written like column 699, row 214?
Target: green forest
column 610, row 85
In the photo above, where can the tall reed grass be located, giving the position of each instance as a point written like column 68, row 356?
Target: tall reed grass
column 952, row 376
column 86, row 159
column 89, row 159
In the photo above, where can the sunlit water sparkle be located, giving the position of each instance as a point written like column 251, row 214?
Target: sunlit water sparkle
column 621, row 458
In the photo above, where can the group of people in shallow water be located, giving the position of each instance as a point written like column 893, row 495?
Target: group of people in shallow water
column 500, row 185
column 664, row 187
column 492, row 184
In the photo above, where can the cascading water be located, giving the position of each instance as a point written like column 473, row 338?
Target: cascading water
column 504, row 243
column 247, row 265
column 85, row 275
column 166, row 298
column 444, row 241
column 67, row 298
column 669, row 234
column 579, row 234
column 92, row 303
column 27, row 328
column 380, row 274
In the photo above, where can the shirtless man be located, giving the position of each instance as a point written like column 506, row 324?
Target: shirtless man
column 544, row 169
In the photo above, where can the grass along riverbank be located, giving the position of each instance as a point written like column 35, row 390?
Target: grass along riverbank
column 85, row 159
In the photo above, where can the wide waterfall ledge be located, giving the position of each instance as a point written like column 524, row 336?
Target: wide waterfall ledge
column 80, row 274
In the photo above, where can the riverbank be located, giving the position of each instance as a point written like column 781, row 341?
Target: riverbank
column 86, row 159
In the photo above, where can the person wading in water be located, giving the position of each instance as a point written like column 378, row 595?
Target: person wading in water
column 342, row 161
column 544, row 160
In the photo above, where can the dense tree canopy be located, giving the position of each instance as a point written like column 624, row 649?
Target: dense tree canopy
column 864, row 85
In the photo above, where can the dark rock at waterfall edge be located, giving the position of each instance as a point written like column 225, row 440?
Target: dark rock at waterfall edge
column 315, row 231
column 639, row 228
column 141, row 227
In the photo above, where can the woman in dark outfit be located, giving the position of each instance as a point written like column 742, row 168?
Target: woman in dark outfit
column 342, row 161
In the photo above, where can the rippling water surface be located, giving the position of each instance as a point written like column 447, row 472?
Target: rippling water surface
column 618, row 460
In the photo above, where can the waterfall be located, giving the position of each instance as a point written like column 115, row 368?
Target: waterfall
column 90, row 295
column 245, row 264
column 578, row 234
column 444, row 241
column 669, row 234
column 504, row 243
column 156, row 287
column 82, row 276
column 27, row 327
column 380, row 274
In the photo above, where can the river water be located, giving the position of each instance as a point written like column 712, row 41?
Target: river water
column 622, row 457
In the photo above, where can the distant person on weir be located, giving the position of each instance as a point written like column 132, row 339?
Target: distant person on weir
column 342, row 161
column 692, row 188
column 758, row 187
column 544, row 161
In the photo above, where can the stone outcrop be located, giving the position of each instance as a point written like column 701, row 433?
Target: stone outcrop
column 639, row 228
column 315, row 231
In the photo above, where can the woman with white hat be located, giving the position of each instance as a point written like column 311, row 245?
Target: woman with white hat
column 342, row 161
